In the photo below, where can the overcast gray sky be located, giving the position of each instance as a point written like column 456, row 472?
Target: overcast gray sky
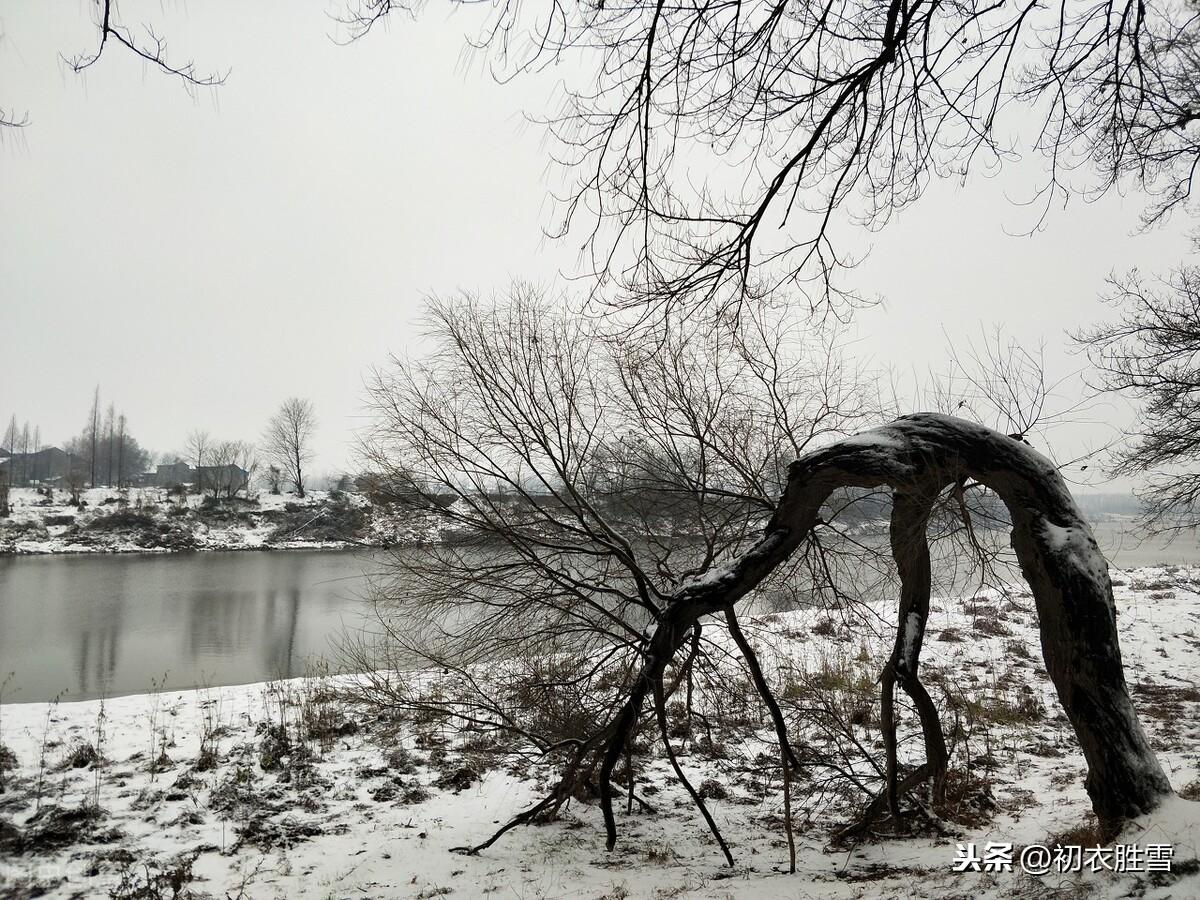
column 203, row 259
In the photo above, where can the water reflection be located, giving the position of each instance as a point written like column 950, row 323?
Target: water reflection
column 89, row 626
column 281, row 635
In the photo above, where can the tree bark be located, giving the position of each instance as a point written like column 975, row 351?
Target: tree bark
column 910, row 548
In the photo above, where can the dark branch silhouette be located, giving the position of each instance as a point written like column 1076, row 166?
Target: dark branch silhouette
column 10, row 120
column 724, row 148
column 1150, row 354
column 153, row 50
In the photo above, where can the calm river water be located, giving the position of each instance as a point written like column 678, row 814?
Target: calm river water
column 104, row 625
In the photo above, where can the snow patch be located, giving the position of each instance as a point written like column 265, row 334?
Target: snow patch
column 912, row 628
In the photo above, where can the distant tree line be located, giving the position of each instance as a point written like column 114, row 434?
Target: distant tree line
column 103, row 453
column 225, row 468
column 105, row 449
column 106, row 454
column 20, row 442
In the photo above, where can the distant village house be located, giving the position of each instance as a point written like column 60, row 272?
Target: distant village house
column 46, row 466
column 227, row 479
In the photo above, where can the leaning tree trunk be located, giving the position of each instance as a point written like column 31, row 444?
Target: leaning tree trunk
column 918, row 456
column 910, row 548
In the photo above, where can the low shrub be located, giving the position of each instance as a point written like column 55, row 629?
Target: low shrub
column 330, row 521
column 122, row 520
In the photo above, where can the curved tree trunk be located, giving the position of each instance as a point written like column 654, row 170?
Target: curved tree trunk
column 918, row 456
column 910, row 548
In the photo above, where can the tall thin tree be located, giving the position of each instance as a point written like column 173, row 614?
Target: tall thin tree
column 25, row 453
column 110, row 426
column 94, row 433
column 199, row 445
column 288, row 439
column 121, row 451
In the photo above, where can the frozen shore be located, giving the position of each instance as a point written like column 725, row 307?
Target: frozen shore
column 291, row 789
column 149, row 520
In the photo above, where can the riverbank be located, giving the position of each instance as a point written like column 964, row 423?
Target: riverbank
column 295, row 789
column 150, row 520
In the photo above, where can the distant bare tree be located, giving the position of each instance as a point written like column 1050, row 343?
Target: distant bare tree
column 219, row 458
column 92, row 433
column 121, row 434
column 9, row 439
column 76, row 481
column 26, row 441
column 110, row 428
column 119, row 453
column 232, row 465
column 287, row 440
column 4, row 510
column 199, row 445
column 274, row 478
column 11, row 435
column 245, row 457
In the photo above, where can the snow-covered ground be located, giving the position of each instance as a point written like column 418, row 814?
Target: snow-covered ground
column 201, row 798
column 147, row 520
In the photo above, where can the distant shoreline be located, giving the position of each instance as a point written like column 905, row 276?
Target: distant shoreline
column 72, row 550
column 140, row 520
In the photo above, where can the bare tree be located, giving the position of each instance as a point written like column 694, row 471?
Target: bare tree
column 245, row 458
column 288, row 439
column 121, row 426
column 25, row 445
column 76, row 481
column 11, row 435
column 92, row 435
column 231, row 466
column 110, row 427
column 1150, row 353
column 4, row 508
column 217, row 482
column 578, row 481
column 607, row 508
column 199, row 446
column 274, row 478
